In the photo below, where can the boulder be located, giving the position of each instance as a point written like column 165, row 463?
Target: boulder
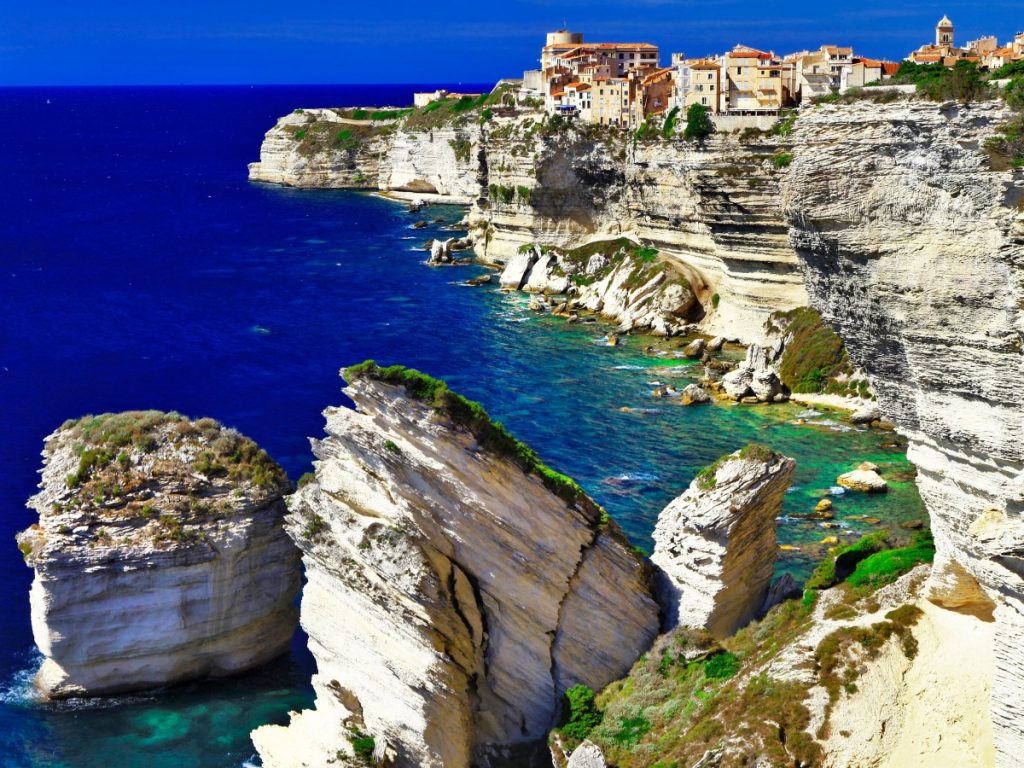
column 694, row 349
column 716, row 344
column 587, row 755
column 694, row 394
column 755, row 377
column 864, row 478
column 441, row 251
column 866, row 415
column 715, row 544
column 513, row 276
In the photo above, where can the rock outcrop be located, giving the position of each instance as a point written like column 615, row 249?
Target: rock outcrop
column 912, row 250
column 160, row 554
column 864, row 478
column 756, row 377
column 456, row 586
column 713, row 211
column 715, row 544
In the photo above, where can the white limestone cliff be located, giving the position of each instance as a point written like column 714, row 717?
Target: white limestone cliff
column 455, row 588
column 912, row 249
column 160, row 555
column 715, row 544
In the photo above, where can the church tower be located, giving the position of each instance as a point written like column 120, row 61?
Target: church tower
column 944, row 32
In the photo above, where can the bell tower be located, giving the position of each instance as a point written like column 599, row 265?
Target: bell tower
column 944, row 32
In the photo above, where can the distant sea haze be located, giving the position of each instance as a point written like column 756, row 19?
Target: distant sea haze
column 139, row 268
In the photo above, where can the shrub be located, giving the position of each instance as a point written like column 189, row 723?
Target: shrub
column 524, row 194
column 785, row 124
column 360, row 114
column 462, row 147
column 837, row 566
column 582, row 715
column 698, row 124
column 631, row 729
column 814, row 356
column 782, row 159
column 888, row 565
column 669, row 128
column 721, row 666
column 314, row 527
column 715, row 298
column 962, row 81
column 392, row 446
column 306, row 479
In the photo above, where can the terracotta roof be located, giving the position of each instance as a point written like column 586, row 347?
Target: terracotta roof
column 836, row 49
column 927, row 57
column 748, row 55
column 890, row 67
column 868, row 62
column 579, row 86
column 1002, row 52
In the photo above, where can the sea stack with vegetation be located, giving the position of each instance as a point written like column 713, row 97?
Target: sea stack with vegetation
column 160, row 554
column 715, row 544
column 457, row 586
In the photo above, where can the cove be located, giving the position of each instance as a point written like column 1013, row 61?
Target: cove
column 141, row 270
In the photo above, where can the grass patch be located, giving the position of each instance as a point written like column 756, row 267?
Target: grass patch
column 707, row 477
column 886, row 566
column 815, row 356
column 782, row 159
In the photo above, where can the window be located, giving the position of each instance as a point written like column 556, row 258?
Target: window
column 711, row 87
column 704, row 100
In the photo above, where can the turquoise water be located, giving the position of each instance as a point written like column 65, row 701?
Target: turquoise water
column 140, row 269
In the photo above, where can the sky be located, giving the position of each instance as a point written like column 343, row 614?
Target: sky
column 113, row 42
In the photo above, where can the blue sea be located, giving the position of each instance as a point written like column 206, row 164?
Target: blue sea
column 140, row 269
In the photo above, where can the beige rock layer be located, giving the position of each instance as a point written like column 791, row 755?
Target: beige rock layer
column 912, row 249
column 715, row 544
column 147, row 570
column 452, row 597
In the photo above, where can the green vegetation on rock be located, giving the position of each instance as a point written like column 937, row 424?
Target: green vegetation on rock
column 815, row 356
column 490, row 435
column 698, row 124
column 707, row 477
column 963, row 81
column 871, row 562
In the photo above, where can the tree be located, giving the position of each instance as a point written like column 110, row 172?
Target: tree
column 698, row 124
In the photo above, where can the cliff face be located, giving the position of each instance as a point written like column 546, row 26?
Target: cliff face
column 912, row 249
column 318, row 148
column 714, row 210
column 715, row 544
column 456, row 588
column 160, row 555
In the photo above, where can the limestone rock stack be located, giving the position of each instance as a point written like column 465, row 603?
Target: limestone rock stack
column 715, row 544
column 160, row 554
column 456, row 586
column 913, row 246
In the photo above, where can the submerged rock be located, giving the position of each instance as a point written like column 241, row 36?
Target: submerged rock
column 456, row 586
column 715, row 544
column 694, row 394
column 159, row 556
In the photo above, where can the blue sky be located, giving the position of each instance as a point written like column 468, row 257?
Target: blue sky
column 70, row 42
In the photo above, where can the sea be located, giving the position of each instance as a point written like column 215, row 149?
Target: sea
column 139, row 268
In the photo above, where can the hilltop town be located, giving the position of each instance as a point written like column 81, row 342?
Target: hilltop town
column 624, row 84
